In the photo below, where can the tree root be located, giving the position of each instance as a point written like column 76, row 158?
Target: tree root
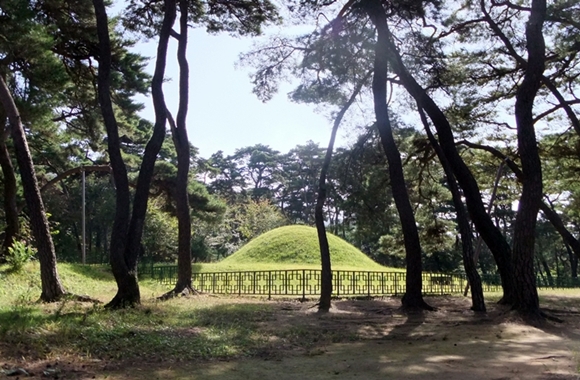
column 550, row 317
column 79, row 298
column 179, row 292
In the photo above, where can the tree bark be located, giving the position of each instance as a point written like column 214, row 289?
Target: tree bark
column 326, row 277
column 492, row 236
column 469, row 262
column 181, row 143
column 153, row 146
column 413, row 297
column 10, row 191
column 52, row 289
column 527, row 301
column 125, row 276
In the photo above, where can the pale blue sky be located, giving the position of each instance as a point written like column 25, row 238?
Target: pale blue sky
column 223, row 112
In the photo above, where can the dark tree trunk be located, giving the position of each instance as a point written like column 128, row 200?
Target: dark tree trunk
column 52, row 289
column 125, row 275
column 573, row 262
column 151, row 150
column 546, row 208
column 413, row 297
column 181, row 142
column 126, row 240
column 469, row 262
column 326, row 277
column 10, row 190
column 527, row 301
column 492, row 236
column 546, row 267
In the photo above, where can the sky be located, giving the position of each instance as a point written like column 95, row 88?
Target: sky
column 223, row 112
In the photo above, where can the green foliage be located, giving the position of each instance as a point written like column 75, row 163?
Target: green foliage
column 299, row 245
column 159, row 235
column 18, row 255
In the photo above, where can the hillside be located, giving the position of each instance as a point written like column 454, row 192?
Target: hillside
column 299, row 245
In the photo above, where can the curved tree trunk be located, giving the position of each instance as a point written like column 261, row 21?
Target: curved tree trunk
column 126, row 241
column 492, row 236
column 181, row 142
column 546, row 209
column 413, row 297
column 10, row 190
column 326, row 278
column 469, row 262
column 52, row 289
column 527, row 301
column 153, row 147
column 126, row 278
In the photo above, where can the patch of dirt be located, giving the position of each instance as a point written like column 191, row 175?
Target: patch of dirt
column 372, row 339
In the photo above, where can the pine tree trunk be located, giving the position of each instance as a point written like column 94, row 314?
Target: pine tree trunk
column 181, row 142
column 52, row 289
column 492, row 236
column 153, row 147
column 469, row 262
column 413, row 297
column 527, row 301
column 10, row 190
column 326, row 278
column 128, row 289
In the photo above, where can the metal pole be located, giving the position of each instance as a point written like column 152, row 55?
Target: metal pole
column 83, row 244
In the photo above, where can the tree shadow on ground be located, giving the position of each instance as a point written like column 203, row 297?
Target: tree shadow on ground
column 287, row 340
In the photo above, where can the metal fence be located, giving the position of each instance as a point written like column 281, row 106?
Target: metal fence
column 306, row 282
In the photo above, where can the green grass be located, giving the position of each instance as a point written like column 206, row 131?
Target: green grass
column 298, row 246
column 204, row 327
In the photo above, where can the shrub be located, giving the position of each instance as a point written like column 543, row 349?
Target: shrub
column 18, row 255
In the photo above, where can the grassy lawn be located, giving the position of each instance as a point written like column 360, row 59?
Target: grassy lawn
column 233, row 336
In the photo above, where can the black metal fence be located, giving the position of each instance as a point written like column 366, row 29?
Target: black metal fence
column 306, row 282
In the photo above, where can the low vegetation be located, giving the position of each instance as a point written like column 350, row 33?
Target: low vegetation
column 217, row 337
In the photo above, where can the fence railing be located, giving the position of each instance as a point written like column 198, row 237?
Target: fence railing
column 306, row 282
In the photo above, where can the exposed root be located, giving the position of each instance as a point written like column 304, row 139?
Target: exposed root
column 179, row 292
column 550, row 317
column 79, row 298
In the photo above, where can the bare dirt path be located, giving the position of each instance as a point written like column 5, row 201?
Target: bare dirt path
column 374, row 339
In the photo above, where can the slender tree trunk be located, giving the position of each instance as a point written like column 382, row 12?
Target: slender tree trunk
column 469, row 262
column 326, row 277
column 527, row 301
column 573, row 262
column 181, row 142
column 52, row 289
column 125, row 275
column 546, row 208
column 413, row 297
column 152, row 149
column 492, row 236
column 10, row 191
column 546, row 267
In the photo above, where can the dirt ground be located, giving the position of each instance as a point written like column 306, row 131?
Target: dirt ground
column 377, row 340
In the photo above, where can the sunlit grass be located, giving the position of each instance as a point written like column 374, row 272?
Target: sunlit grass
column 298, row 245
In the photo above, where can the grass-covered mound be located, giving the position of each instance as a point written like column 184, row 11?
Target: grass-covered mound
column 298, row 245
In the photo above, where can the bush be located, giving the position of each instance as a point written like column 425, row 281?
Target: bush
column 18, row 255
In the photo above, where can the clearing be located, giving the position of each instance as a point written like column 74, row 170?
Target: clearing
column 359, row 339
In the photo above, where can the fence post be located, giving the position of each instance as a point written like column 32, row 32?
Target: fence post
column 303, row 285
column 269, row 285
column 369, row 284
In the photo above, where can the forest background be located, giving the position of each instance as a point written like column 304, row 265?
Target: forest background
column 470, row 58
